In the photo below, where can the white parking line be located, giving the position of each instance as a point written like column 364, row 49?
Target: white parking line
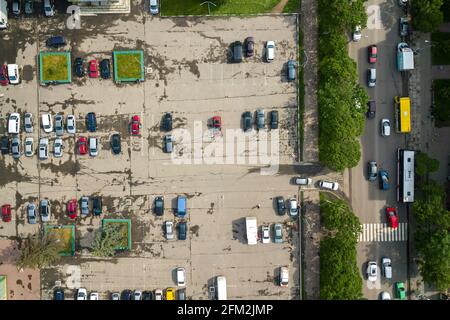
column 378, row 232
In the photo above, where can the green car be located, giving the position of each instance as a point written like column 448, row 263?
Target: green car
column 400, row 289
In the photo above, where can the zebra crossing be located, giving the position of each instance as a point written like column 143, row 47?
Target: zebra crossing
column 381, row 232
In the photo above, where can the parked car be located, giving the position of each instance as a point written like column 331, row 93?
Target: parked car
column 105, row 69
column 55, row 41
column 5, row 145
column 72, row 208
column 158, row 294
column 166, row 124
column 170, row 294
column 43, row 148
column 284, row 277
column 79, row 67
column 71, row 124
column 93, row 146
column 15, row 147
column 4, row 75
column 59, row 124
column 84, row 206
column 29, row 6
column 384, row 180
column 115, row 296
column 127, row 294
column 281, row 207
column 82, row 145
column 387, row 267
column 265, row 234
column 147, row 295
column 371, row 77
column 6, row 213
column 328, row 185
column 400, row 290
column 159, row 206
column 93, row 69
column 58, row 294
column 385, row 295
column 181, row 277
column 169, row 230
column 260, row 119
column 392, row 217
column 302, row 181
column 249, row 46
column 97, row 206
column 277, row 233
column 154, row 6
column 402, row 3
column 372, row 271
column 44, row 210
column 182, row 230
column 116, row 145
column 58, row 148
column 14, row 123
column 385, row 127
column 31, row 213
column 47, row 123
column 29, row 147
column 16, row 7
column 274, row 119
column 372, row 53
column 357, row 33
column 49, row 8
column 168, row 143
column 216, row 122
column 13, row 74
column 137, row 295
column 91, row 122
column 371, row 109
column 293, row 207
column 247, row 121
column 403, row 26
column 236, row 52
column 135, row 125
column 93, row 296
column 28, row 122
column 181, row 294
column 270, row 51
column 291, row 70
column 372, row 170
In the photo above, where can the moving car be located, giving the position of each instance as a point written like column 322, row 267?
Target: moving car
column 14, row 123
column 168, row 144
column 328, row 185
column 181, row 277
column 72, row 208
column 71, row 124
column 93, row 296
column 247, row 121
column 93, row 69
column 387, row 267
column 159, row 206
column 249, row 46
column 135, row 125
column 277, row 233
column 59, row 124
column 260, row 119
column 13, row 74
column 93, row 146
column 158, row 294
column 44, row 210
column 43, row 148
column 385, row 127
column 31, row 213
column 291, row 70
column 371, row 109
column 371, row 77
column 300, row 181
column 372, row 53
column 284, row 277
column 55, row 41
column 84, row 206
column 236, row 52
column 403, row 23
column 293, row 207
column 372, row 272
column 28, row 122
column 29, row 147
column 91, row 122
column 154, row 7
column 46, row 121
column 270, row 51
column 82, row 145
column 357, row 33
column 116, row 146
column 400, row 290
column 49, row 8
column 97, row 206
column 170, row 294
column 79, row 67
column 384, row 180
column 4, row 75
column 265, row 234
column 137, row 295
column 281, row 207
column 58, row 148
column 274, row 119
column 372, row 170
column 166, row 124
column 105, row 69
column 15, row 147
column 182, row 230
column 392, row 217
column 169, row 230
column 5, row 145
column 6, row 213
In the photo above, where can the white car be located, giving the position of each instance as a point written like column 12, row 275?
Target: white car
column 158, row 294
column 14, row 123
column 357, row 33
column 49, row 8
column 284, row 277
column 13, row 74
column 29, row 150
column 154, row 6
column 293, row 207
column 58, row 148
column 270, row 51
column 387, row 267
column 47, row 123
column 385, row 127
column 265, row 230
column 169, row 230
column 303, row 181
column 71, row 124
column 137, row 295
column 93, row 147
column 385, row 296
column 115, row 296
column 181, row 277
column 43, row 148
column 372, row 272
column 93, row 296
column 328, row 185
column 28, row 122
column 82, row 294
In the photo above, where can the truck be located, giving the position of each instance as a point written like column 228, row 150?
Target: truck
column 405, row 57
column 252, row 230
column 221, row 284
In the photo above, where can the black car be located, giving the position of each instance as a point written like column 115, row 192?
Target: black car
column 127, row 294
column 55, row 41
column 79, row 67
column 159, row 206
column 105, row 70
column 247, row 121
column 115, row 143
column 97, row 206
column 182, row 230
column 147, row 295
column 59, row 294
column 371, row 109
column 166, row 123
column 274, row 119
column 5, row 145
column 236, row 52
column 249, row 46
column 281, row 206
column 91, row 122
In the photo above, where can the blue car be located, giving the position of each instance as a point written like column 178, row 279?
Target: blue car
column 105, row 70
column 91, row 122
column 182, row 230
column 384, row 180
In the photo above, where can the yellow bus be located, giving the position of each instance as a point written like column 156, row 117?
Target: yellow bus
column 403, row 114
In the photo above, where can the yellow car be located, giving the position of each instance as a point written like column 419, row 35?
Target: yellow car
column 170, row 294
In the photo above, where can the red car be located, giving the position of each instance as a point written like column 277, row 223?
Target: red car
column 373, row 54
column 72, row 208
column 217, row 122
column 82, row 145
column 93, row 69
column 392, row 217
column 6, row 212
column 135, row 125
column 4, row 75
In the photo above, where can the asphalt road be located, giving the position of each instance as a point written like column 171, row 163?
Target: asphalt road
column 368, row 201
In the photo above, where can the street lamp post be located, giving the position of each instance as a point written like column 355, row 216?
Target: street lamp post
column 209, row 3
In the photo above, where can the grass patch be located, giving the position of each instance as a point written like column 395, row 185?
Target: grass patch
column 124, row 228
column 128, row 66
column 192, row 7
column 440, row 51
column 55, row 67
column 65, row 234
column 292, row 6
column 441, row 91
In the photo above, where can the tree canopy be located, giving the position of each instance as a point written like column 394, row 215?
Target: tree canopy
column 427, row 14
column 107, row 240
column 39, row 251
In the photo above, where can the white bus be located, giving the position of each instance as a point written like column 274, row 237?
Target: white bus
column 221, row 285
column 405, row 176
column 3, row 14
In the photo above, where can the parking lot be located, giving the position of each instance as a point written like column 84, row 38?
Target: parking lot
column 187, row 74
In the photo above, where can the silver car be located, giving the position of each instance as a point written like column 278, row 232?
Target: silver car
column 84, row 206
column 278, row 233
column 260, row 119
column 93, row 147
column 43, row 148
column 71, row 124
column 169, row 230
column 58, row 148
column 29, row 149
column 59, row 124
column 28, row 122
column 31, row 213
column 45, row 210
column 15, row 147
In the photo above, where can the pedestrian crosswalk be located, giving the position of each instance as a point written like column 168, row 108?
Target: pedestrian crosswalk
column 372, row 232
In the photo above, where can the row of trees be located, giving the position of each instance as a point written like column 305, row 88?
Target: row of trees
column 339, row 274
column 432, row 236
column 342, row 101
column 428, row 15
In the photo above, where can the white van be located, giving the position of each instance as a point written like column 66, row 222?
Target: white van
column 221, row 285
column 3, row 14
column 14, row 123
column 13, row 74
column 270, row 51
column 93, row 150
